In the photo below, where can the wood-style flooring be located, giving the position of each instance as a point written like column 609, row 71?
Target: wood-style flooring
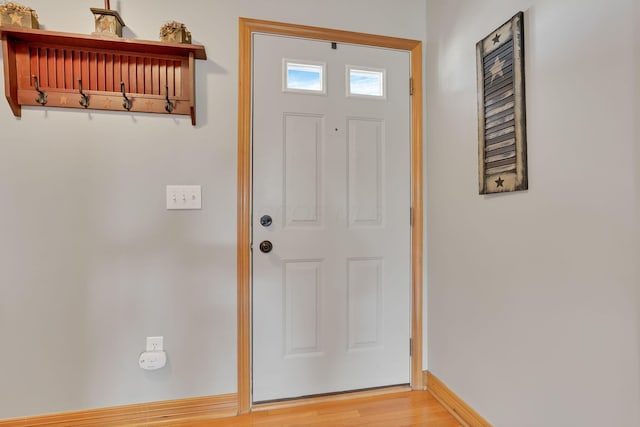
column 411, row 408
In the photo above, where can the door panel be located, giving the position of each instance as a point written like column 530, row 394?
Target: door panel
column 331, row 301
column 302, row 169
column 365, row 305
column 365, row 141
column 302, row 304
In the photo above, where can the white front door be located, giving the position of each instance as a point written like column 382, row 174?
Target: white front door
column 331, row 194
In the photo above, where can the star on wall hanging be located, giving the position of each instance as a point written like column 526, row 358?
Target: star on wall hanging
column 496, row 69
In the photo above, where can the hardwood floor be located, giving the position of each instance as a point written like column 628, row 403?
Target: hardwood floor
column 413, row 408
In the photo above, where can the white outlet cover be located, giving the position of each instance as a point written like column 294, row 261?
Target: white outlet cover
column 184, row 197
column 155, row 343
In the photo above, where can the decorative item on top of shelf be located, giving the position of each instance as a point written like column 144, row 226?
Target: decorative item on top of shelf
column 502, row 135
column 175, row 32
column 15, row 15
column 109, row 23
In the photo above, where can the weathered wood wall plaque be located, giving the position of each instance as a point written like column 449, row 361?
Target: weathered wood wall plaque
column 501, row 109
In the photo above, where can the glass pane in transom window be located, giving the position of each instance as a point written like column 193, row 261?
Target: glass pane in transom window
column 304, row 76
column 366, row 82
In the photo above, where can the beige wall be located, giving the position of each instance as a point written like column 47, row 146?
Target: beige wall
column 91, row 261
column 533, row 296
column 533, row 320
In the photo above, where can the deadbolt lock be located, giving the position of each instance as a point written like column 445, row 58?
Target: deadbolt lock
column 266, row 246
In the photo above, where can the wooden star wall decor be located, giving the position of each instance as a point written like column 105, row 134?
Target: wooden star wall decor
column 502, row 138
column 108, row 22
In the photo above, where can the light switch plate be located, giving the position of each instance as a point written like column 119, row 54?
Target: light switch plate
column 184, row 197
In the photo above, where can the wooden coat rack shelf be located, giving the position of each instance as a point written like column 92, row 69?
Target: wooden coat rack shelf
column 53, row 69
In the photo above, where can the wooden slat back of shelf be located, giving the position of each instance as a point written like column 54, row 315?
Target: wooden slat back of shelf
column 60, row 68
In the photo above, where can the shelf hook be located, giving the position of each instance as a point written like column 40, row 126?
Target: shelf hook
column 42, row 96
column 169, row 106
column 84, row 98
column 127, row 102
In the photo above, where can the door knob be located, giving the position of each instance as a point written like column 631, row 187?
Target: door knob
column 265, row 220
column 266, row 246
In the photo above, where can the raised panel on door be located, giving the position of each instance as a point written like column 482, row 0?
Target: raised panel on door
column 365, row 171
column 302, row 305
column 302, row 169
column 365, row 303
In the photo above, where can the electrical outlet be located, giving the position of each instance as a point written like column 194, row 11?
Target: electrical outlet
column 155, row 343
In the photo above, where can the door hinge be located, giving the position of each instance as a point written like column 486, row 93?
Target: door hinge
column 410, row 347
column 410, row 86
column 411, row 216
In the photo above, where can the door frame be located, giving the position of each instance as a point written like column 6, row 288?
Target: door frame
column 247, row 27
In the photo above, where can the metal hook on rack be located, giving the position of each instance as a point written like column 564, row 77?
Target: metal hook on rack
column 42, row 96
column 127, row 102
column 84, row 98
column 169, row 105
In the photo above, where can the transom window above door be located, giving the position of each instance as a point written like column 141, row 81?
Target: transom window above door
column 304, row 77
column 365, row 82
column 309, row 77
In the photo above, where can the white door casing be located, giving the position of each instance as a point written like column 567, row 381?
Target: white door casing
column 331, row 301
